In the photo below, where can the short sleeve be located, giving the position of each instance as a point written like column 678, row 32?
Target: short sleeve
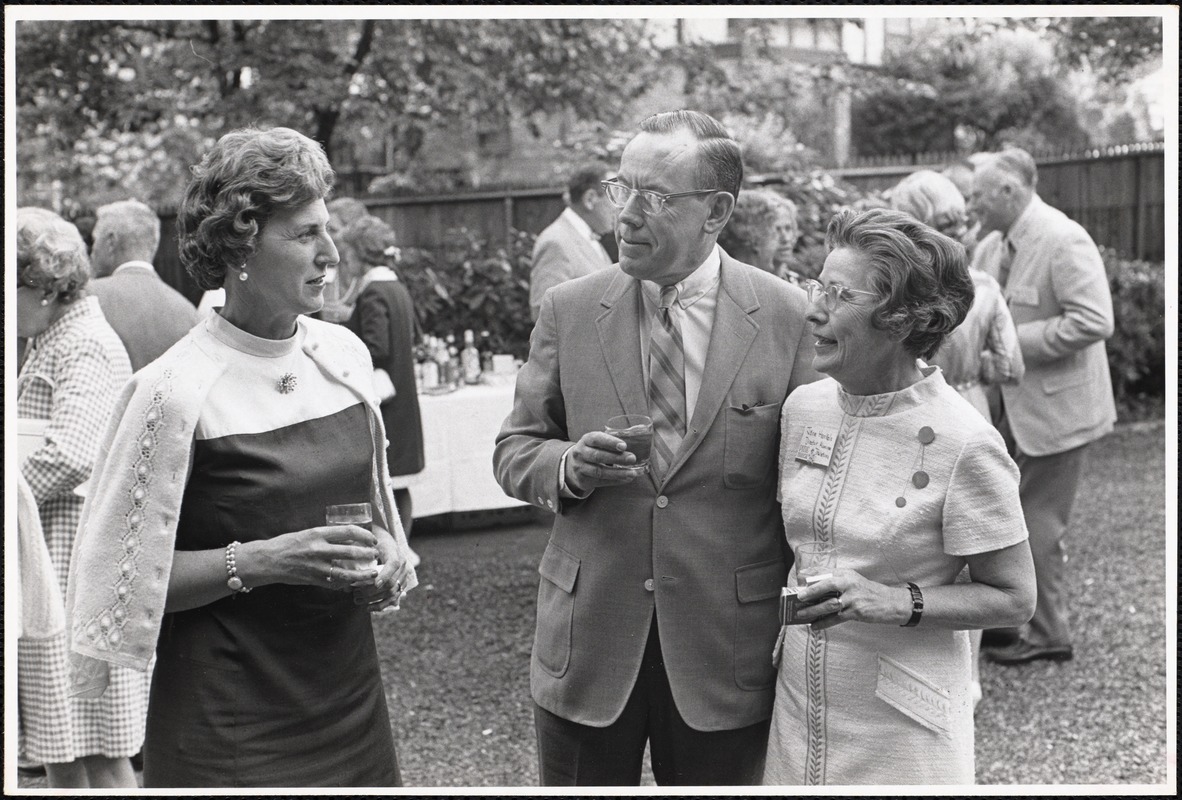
column 982, row 511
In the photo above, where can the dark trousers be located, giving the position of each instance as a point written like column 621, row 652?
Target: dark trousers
column 1047, row 488
column 570, row 754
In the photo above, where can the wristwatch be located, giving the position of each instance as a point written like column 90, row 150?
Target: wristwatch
column 233, row 581
column 916, row 606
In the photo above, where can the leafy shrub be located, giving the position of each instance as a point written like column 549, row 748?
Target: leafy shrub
column 1137, row 349
column 471, row 284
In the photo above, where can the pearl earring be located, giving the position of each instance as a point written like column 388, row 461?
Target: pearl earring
column 242, row 274
column 44, row 301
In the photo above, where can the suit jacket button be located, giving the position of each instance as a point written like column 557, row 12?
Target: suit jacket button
column 649, row 585
column 662, row 501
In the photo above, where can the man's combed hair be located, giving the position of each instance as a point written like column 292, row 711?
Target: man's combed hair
column 921, row 274
column 239, row 185
column 720, row 157
column 1019, row 163
column 588, row 176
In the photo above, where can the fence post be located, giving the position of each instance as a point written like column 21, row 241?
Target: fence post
column 1139, row 211
column 507, row 208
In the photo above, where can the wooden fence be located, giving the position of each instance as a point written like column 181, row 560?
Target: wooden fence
column 1116, row 193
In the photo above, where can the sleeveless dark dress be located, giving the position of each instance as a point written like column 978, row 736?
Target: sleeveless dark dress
column 280, row 686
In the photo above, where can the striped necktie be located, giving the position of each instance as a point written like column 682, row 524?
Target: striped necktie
column 1007, row 261
column 666, row 383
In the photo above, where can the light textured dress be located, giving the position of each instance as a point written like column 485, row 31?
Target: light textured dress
column 71, row 376
column 881, row 704
column 983, row 350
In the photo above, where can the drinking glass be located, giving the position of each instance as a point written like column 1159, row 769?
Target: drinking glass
column 814, row 560
column 637, row 432
column 360, row 514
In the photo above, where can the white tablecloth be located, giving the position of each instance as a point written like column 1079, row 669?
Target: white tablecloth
column 459, row 430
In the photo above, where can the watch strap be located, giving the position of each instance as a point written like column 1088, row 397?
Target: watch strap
column 916, row 606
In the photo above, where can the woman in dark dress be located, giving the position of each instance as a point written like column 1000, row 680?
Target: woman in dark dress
column 384, row 318
column 207, row 514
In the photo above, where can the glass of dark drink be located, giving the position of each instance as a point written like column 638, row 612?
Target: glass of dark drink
column 636, row 430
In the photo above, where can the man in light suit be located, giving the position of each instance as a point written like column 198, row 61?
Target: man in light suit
column 657, row 605
column 148, row 314
column 569, row 247
column 1057, row 290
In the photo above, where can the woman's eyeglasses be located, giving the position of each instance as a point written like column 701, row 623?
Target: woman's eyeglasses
column 833, row 294
column 650, row 202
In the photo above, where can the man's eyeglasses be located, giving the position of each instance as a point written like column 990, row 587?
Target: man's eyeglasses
column 833, row 294
column 650, row 202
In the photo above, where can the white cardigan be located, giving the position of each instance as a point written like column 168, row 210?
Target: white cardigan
column 123, row 551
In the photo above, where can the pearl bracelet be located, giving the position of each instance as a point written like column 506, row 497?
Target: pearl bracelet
column 233, row 581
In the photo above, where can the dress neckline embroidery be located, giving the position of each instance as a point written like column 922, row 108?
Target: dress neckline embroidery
column 917, row 394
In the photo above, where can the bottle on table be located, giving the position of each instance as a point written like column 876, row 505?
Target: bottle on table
column 486, row 353
column 430, row 366
column 454, row 374
column 470, row 359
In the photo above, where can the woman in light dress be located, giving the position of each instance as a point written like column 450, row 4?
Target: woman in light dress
column 885, row 462
column 73, row 368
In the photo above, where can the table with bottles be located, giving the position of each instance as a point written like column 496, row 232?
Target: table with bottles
column 460, row 424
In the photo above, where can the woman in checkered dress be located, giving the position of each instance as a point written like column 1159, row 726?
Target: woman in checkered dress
column 74, row 366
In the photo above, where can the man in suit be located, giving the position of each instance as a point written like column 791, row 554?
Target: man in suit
column 569, row 247
column 657, row 605
column 1054, row 281
column 148, row 314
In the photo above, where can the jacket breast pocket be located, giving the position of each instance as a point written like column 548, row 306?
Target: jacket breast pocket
column 752, row 441
column 556, row 608
column 757, row 588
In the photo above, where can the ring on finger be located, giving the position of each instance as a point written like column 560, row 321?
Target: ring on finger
column 840, row 604
column 328, row 577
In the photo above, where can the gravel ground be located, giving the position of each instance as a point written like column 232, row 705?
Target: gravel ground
column 456, row 659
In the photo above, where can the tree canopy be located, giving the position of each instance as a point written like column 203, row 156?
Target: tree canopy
column 92, row 92
column 952, row 89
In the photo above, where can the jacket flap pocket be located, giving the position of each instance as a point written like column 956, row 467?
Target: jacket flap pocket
column 559, row 567
column 760, row 581
column 912, row 694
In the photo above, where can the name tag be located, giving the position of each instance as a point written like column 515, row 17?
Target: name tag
column 816, row 446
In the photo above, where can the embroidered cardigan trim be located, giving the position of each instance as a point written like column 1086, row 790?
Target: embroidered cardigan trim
column 118, row 583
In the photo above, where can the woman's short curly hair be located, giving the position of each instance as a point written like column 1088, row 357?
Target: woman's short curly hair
column 932, row 199
column 370, row 238
column 921, row 275
column 756, row 212
column 50, row 255
column 248, row 175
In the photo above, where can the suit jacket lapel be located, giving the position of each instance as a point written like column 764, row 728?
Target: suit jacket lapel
column 619, row 336
column 730, row 338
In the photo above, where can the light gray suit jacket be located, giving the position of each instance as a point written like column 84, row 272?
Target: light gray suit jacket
column 704, row 548
column 1059, row 298
column 148, row 314
column 561, row 253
